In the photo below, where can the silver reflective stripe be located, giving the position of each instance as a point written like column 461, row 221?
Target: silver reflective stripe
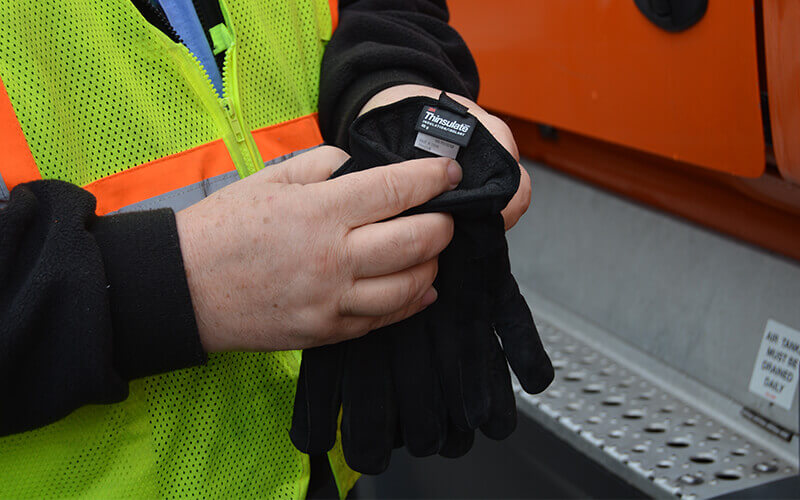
column 186, row 196
column 283, row 158
column 4, row 194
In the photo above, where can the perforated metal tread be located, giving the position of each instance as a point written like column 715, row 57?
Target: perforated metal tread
column 640, row 430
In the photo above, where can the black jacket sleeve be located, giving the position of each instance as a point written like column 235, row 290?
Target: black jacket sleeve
column 382, row 43
column 87, row 303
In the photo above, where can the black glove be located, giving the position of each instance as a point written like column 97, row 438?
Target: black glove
column 432, row 379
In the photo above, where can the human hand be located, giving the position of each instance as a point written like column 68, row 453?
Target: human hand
column 498, row 128
column 285, row 259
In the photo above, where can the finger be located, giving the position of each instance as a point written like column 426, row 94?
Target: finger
column 420, row 405
column 520, row 202
column 461, row 341
column 380, row 193
column 357, row 326
column 388, row 247
column 369, row 415
column 513, row 323
column 464, row 369
column 458, row 442
column 384, row 295
column 306, row 168
column 427, row 299
column 317, row 399
column 503, row 407
column 521, row 343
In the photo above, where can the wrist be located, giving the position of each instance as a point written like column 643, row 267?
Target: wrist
column 197, row 278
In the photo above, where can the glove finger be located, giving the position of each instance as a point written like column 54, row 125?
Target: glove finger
column 369, row 415
column 421, row 411
column 317, row 399
column 459, row 322
column 521, row 343
column 398, row 437
column 458, row 442
column 503, row 410
column 462, row 365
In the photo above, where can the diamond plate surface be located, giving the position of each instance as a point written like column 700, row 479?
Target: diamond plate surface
column 641, row 430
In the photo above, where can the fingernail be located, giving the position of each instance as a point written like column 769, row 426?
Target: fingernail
column 453, row 173
column 429, row 297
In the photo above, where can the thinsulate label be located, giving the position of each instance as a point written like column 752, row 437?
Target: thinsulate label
column 445, row 125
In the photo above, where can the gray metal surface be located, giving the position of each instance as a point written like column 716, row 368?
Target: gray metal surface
column 654, row 325
column 614, row 407
column 694, row 299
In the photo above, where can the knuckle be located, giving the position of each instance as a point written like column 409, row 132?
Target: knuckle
column 504, row 128
column 392, row 190
column 349, row 328
column 333, row 153
column 447, row 229
column 432, row 235
column 431, row 269
column 340, row 202
column 526, row 186
column 344, row 306
column 410, row 287
column 504, row 135
column 414, row 243
column 500, row 127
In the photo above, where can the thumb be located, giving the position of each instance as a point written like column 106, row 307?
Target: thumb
column 312, row 166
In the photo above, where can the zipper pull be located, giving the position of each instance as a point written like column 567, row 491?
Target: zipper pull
column 233, row 119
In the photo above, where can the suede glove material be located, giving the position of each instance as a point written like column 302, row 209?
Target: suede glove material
column 428, row 382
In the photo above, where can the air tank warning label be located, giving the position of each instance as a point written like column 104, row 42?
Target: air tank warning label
column 777, row 365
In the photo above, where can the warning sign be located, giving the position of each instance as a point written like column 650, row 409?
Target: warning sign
column 777, row 365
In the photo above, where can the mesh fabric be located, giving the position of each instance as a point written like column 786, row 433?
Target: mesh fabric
column 97, row 91
column 281, row 44
column 96, row 88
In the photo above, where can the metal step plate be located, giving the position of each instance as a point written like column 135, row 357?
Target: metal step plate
column 641, row 430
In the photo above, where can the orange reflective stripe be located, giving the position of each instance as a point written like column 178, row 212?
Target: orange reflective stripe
column 160, row 176
column 334, row 14
column 197, row 164
column 284, row 138
column 17, row 165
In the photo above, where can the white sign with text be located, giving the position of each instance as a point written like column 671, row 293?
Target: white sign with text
column 777, row 365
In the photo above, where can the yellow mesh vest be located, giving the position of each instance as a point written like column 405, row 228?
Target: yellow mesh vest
column 97, row 91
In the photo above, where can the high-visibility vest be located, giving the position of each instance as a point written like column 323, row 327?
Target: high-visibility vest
column 93, row 94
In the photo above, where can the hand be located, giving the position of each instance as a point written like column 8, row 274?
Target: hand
column 285, row 259
column 522, row 199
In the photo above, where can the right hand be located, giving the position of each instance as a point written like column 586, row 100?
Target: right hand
column 285, row 259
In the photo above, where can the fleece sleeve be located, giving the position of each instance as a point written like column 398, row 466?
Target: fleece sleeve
column 87, row 303
column 382, row 43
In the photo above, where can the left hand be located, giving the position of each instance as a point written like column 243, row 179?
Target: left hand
column 498, row 128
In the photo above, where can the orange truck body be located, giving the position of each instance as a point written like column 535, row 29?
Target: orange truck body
column 672, row 119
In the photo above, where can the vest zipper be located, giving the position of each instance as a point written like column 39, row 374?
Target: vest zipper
column 225, row 110
column 233, row 120
column 231, row 104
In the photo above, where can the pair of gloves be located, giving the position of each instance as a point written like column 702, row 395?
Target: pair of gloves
column 430, row 381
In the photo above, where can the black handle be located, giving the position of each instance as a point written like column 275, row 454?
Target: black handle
column 673, row 15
